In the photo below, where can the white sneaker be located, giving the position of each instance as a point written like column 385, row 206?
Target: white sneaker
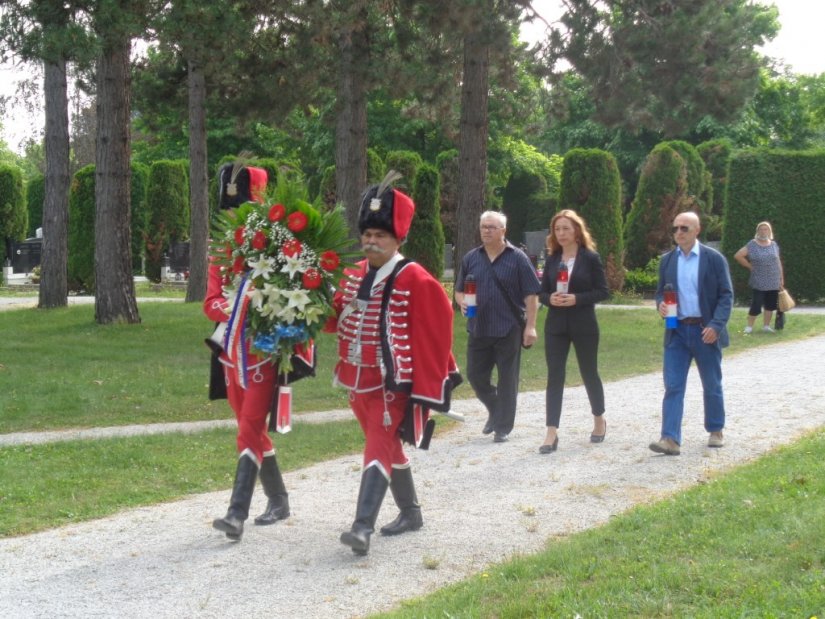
column 768, row 329
column 748, row 330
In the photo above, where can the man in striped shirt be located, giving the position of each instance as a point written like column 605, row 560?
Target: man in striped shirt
column 507, row 290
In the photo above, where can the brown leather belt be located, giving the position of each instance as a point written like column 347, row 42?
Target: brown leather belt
column 691, row 321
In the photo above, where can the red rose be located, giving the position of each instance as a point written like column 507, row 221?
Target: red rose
column 239, row 265
column 276, row 212
column 291, row 248
column 330, row 260
column 239, row 232
column 297, row 221
column 259, row 240
column 311, row 279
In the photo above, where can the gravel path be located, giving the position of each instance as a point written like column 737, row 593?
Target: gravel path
column 482, row 503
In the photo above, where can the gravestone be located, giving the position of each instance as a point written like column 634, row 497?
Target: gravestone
column 26, row 255
column 535, row 244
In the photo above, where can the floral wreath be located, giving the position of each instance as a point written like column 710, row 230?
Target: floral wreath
column 286, row 256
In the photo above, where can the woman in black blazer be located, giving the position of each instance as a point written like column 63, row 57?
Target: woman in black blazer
column 571, row 318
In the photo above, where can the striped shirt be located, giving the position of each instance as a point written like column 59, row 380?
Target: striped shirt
column 494, row 316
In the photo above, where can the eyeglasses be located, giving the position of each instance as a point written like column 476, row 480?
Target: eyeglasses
column 676, row 229
column 491, row 227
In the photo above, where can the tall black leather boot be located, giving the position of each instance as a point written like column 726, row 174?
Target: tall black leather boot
column 277, row 506
column 370, row 496
column 403, row 491
column 245, row 476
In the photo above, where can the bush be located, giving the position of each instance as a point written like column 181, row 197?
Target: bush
column 167, row 205
column 81, row 242
column 660, row 196
column 695, row 174
column 643, row 280
column 525, row 200
column 375, row 167
column 786, row 189
column 326, row 194
column 35, row 196
column 447, row 164
column 716, row 155
column 591, row 185
column 140, row 180
column 425, row 243
column 407, row 163
column 14, row 217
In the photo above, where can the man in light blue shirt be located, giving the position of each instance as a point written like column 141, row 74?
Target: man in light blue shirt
column 701, row 277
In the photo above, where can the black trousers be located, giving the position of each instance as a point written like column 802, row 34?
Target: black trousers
column 766, row 298
column 503, row 354
column 556, row 349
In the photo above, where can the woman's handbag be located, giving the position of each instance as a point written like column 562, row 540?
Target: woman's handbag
column 785, row 302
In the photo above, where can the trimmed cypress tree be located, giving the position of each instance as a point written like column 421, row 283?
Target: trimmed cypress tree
column 660, row 195
column 167, row 206
column 525, row 199
column 140, row 181
column 591, row 185
column 407, row 163
column 447, row 165
column 716, row 155
column 695, row 170
column 13, row 214
column 35, row 194
column 81, row 242
column 375, row 167
column 326, row 194
column 425, row 242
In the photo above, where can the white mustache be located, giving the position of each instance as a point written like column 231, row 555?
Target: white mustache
column 373, row 248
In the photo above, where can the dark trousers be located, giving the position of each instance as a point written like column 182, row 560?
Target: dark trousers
column 503, row 354
column 766, row 298
column 556, row 349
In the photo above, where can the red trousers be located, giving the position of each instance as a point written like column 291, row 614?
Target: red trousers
column 251, row 406
column 383, row 444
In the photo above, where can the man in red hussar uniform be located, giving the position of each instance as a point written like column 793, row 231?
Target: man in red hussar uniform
column 250, row 390
column 395, row 328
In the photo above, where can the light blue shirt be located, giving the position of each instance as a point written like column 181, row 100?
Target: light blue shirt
column 687, row 279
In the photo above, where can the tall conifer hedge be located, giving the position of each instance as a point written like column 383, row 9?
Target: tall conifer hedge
column 785, row 188
column 660, row 195
column 167, row 205
column 591, row 185
column 425, row 243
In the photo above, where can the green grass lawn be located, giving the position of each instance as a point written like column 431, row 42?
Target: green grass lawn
column 59, row 369
column 750, row 543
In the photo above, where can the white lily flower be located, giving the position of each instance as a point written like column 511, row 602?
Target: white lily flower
column 262, row 268
column 288, row 315
column 298, row 299
column 256, row 298
column 271, row 309
column 313, row 314
column 293, row 265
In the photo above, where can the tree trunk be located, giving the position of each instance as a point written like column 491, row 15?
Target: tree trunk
column 198, row 186
column 114, row 284
column 351, row 123
column 54, row 287
column 472, row 149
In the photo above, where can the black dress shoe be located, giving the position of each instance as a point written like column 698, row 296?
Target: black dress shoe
column 548, row 449
column 501, row 437
column 488, row 427
column 596, row 438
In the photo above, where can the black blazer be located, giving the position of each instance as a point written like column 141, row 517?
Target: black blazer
column 587, row 282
